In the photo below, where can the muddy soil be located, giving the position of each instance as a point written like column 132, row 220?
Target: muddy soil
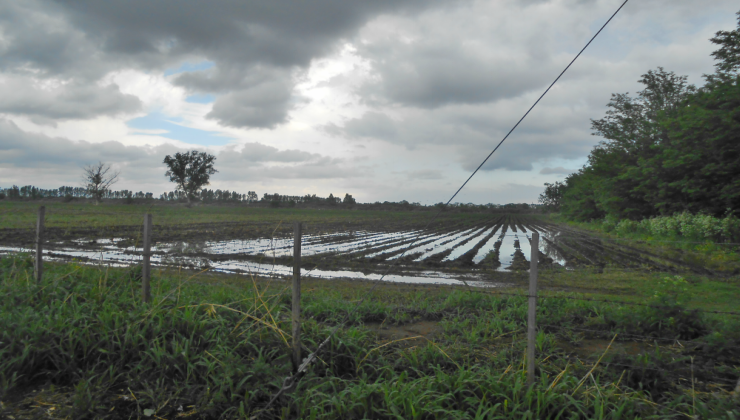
column 454, row 246
column 414, row 334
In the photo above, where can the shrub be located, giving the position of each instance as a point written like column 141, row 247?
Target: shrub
column 696, row 227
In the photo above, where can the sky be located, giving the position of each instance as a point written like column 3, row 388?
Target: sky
column 386, row 100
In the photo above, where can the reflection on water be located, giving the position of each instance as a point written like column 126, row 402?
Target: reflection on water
column 460, row 250
column 488, row 247
column 507, row 249
column 194, row 255
column 229, row 256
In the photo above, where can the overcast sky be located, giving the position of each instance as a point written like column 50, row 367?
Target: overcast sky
column 382, row 99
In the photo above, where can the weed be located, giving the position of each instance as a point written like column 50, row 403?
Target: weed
column 217, row 347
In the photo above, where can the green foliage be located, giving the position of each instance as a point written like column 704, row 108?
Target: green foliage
column 680, row 226
column 221, row 348
column 672, row 149
column 553, row 195
column 191, row 171
column 728, row 54
column 667, row 317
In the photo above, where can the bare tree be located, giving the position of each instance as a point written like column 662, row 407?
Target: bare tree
column 98, row 179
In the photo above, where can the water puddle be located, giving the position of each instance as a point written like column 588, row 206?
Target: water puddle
column 404, row 245
column 507, row 249
column 547, row 238
column 488, row 247
column 177, row 255
column 429, row 246
column 442, row 244
column 459, row 251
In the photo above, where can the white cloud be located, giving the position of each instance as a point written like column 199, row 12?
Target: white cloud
column 385, row 100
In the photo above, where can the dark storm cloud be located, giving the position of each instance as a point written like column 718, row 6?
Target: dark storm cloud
column 263, row 106
column 256, row 46
column 282, row 33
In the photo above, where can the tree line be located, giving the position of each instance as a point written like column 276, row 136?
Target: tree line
column 33, row 193
column 672, row 148
column 30, row 192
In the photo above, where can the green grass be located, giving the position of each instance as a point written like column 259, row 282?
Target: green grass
column 703, row 292
column 23, row 214
column 216, row 346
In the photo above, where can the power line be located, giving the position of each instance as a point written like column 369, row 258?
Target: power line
column 289, row 381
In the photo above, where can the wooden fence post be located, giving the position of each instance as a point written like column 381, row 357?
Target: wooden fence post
column 39, row 266
column 297, row 233
column 532, row 316
column 146, row 269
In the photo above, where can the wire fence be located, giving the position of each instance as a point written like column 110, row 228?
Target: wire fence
column 676, row 369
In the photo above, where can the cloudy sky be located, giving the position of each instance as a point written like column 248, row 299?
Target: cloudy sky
column 382, row 99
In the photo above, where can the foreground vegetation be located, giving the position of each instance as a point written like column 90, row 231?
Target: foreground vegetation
column 82, row 345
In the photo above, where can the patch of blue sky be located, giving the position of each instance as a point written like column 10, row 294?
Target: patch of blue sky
column 188, row 66
column 205, row 98
column 171, row 128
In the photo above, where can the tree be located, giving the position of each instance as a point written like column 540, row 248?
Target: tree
column 348, row 201
column 671, row 149
column 728, row 54
column 553, row 195
column 191, row 171
column 98, row 178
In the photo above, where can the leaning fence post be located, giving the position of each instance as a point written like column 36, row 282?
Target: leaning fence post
column 296, row 318
column 39, row 265
column 532, row 315
column 146, row 269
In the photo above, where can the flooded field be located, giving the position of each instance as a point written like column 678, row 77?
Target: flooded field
column 479, row 253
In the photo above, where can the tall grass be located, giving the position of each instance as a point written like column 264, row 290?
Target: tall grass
column 217, row 347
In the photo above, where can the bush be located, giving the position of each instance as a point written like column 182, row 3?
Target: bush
column 695, row 227
column 627, row 226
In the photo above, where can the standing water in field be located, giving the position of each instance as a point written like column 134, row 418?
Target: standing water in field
column 443, row 245
column 507, row 249
column 502, row 245
column 460, row 250
column 488, row 247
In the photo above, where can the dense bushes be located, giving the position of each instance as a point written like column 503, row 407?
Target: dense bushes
column 696, row 227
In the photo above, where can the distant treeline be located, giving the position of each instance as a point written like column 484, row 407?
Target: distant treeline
column 673, row 148
column 30, row 192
